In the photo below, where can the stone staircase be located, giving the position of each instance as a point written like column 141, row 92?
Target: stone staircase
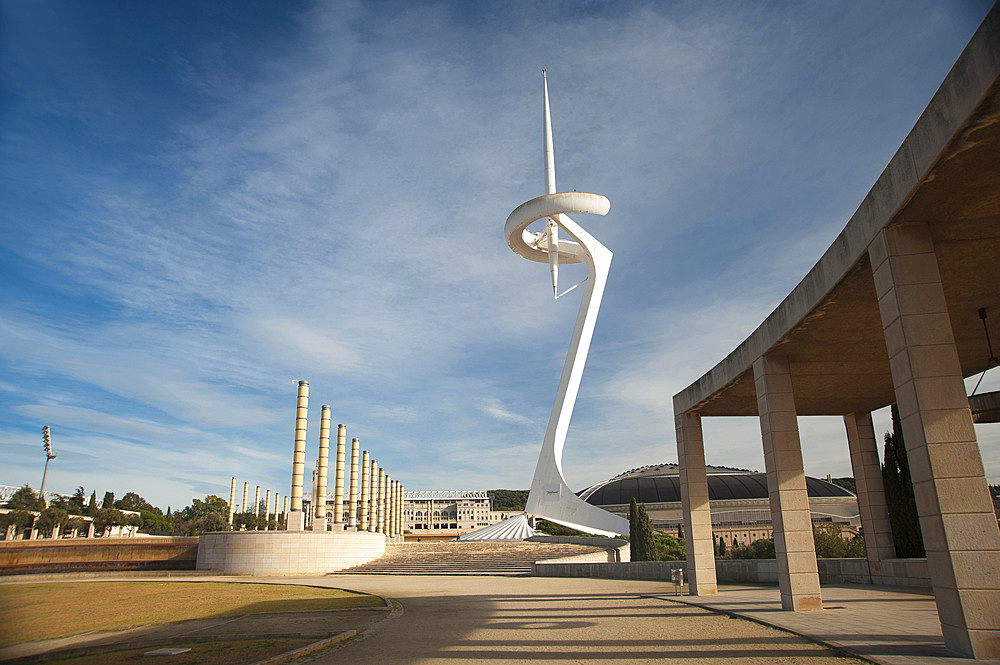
column 458, row 558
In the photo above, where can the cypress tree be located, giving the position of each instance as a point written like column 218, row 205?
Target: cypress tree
column 722, row 547
column 633, row 531
column 899, row 497
column 640, row 530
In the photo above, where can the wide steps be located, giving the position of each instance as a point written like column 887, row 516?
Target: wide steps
column 458, row 558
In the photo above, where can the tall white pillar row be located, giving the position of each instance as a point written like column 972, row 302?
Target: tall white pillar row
column 798, row 575
column 322, row 466
column 956, row 514
column 385, row 504
column 698, row 538
column 373, row 497
column 352, row 508
column 296, row 518
column 338, row 486
column 872, row 503
column 399, row 508
column 365, row 490
column 394, row 525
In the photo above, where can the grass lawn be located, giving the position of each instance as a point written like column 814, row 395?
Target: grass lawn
column 44, row 611
column 205, row 653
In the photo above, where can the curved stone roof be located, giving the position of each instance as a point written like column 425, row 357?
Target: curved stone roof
column 661, row 484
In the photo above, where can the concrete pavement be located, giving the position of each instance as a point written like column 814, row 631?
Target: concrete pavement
column 448, row 619
column 891, row 626
column 554, row 620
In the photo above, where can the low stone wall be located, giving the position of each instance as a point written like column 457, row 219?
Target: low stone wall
column 901, row 572
column 18, row 557
column 895, row 572
column 615, row 550
column 286, row 552
column 634, row 570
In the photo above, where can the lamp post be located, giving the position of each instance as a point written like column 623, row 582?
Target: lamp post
column 49, row 455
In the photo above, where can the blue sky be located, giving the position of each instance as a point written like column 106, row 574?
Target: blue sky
column 205, row 202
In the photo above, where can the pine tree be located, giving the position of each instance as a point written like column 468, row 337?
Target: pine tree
column 902, row 505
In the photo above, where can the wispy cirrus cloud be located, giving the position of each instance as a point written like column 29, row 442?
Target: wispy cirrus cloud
column 318, row 193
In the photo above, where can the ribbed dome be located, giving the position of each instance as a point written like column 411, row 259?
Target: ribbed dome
column 664, row 487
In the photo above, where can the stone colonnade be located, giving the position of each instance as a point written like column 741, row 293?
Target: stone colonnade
column 267, row 511
column 956, row 514
column 366, row 500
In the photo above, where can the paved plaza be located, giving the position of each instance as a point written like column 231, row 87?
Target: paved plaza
column 449, row 619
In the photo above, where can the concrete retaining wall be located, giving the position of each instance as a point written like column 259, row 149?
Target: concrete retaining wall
column 615, row 550
column 634, row 570
column 286, row 552
column 95, row 554
column 897, row 572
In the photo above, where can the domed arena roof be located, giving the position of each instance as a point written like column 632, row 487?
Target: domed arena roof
column 661, row 484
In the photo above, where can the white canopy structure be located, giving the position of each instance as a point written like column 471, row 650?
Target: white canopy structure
column 512, row 528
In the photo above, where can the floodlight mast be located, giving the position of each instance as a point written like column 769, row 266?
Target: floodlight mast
column 550, row 496
column 49, row 456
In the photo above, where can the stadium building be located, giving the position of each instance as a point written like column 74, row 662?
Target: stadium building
column 739, row 501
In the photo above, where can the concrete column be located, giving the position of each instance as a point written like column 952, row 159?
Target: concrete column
column 243, row 506
column 296, row 520
column 284, row 507
column 352, row 497
column 956, row 513
column 322, row 468
column 338, row 487
column 698, row 540
column 277, row 515
column 232, row 500
column 90, row 529
column 798, row 576
column 256, row 503
column 312, row 494
column 267, row 510
column 402, row 506
column 871, row 493
column 373, row 497
column 397, row 529
column 365, row 488
column 394, row 513
column 400, row 516
column 383, row 507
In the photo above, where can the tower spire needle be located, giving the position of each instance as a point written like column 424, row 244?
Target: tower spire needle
column 551, row 228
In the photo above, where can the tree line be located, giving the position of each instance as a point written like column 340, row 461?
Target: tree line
column 67, row 515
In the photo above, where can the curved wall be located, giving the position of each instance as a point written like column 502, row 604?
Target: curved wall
column 286, row 552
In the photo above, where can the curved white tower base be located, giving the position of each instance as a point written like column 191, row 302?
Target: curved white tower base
column 550, row 495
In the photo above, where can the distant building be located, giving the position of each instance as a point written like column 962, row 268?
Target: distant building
column 449, row 512
column 738, row 499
